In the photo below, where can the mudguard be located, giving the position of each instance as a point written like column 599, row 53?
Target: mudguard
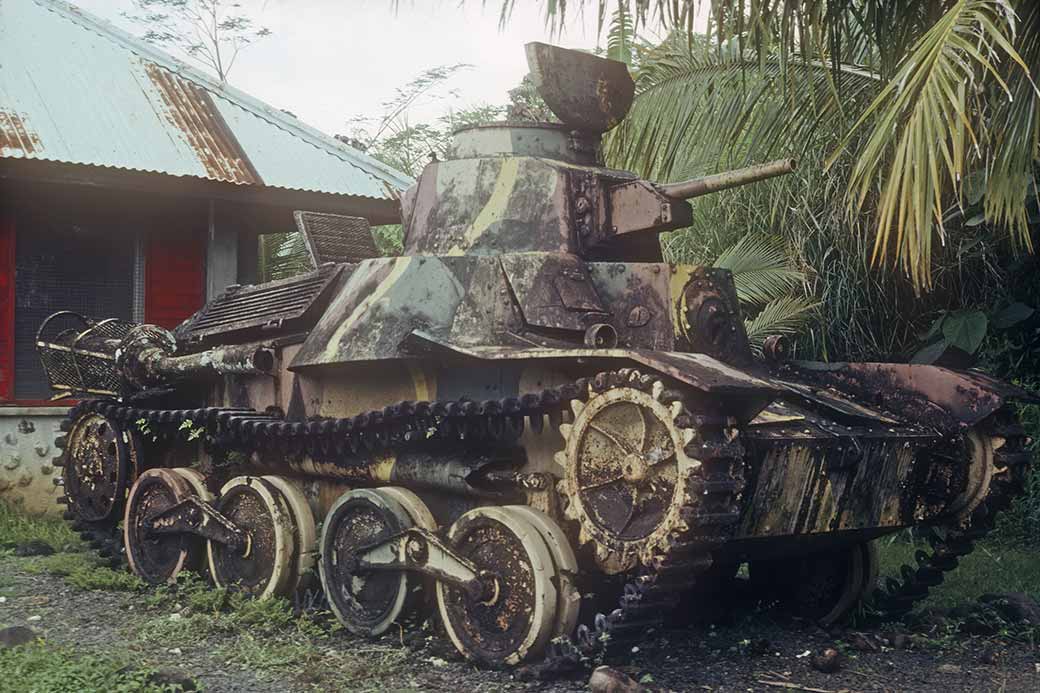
column 942, row 398
column 735, row 390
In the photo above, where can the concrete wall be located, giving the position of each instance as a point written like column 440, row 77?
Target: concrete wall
column 27, row 452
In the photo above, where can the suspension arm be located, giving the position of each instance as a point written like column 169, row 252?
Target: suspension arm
column 195, row 516
column 422, row 551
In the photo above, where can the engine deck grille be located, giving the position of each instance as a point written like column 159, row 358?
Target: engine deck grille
column 285, row 305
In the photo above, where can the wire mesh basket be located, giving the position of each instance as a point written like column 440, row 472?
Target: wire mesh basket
column 79, row 353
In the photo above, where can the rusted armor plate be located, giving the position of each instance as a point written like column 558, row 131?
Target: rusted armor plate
column 583, row 90
column 939, row 397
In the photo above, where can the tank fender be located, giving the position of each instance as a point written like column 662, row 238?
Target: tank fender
column 738, row 391
column 935, row 396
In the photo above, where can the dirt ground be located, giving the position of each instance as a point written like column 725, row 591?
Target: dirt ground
column 756, row 650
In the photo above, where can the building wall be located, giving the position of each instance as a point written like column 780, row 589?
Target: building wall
column 27, row 452
column 167, row 232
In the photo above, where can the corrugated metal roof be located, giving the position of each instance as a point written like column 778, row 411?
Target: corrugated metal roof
column 76, row 89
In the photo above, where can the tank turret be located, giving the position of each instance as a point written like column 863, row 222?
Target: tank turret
column 543, row 187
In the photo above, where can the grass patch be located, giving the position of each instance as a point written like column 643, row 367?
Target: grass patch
column 83, row 570
column 988, row 569
column 317, row 661
column 17, row 527
column 40, row 667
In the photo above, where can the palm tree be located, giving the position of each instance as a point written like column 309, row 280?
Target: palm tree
column 915, row 102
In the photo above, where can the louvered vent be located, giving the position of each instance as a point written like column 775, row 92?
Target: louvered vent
column 336, row 238
column 286, row 305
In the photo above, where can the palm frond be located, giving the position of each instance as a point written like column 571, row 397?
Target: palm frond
column 703, row 112
column 621, row 35
column 283, row 255
column 921, row 129
column 1014, row 144
column 761, row 269
column 785, row 316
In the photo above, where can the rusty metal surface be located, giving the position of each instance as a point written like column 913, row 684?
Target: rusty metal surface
column 697, row 187
column 157, row 558
column 367, row 602
column 553, row 290
column 98, row 463
column 513, row 355
column 78, row 90
column 15, row 137
column 336, row 238
column 584, row 91
column 277, row 307
column 626, row 474
column 932, row 395
column 190, row 109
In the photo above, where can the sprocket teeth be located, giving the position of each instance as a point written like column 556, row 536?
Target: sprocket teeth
column 577, row 406
column 565, row 430
column 688, row 434
column 560, row 458
column 676, row 408
column 657, row 390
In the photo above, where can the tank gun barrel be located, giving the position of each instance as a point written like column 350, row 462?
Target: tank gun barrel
column 695, row 187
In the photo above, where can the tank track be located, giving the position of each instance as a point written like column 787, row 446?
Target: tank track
column 645, row 601
column 896, row 597
column 712, row 510
column 103, row 537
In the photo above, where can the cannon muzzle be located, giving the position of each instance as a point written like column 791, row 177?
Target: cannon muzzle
column 695, row 187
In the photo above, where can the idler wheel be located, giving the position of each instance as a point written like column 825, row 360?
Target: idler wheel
column 365, row 602
column 565, row 567
column 266, row 567
column 978, row 449
column 99, row 459
column 158, row 558
column 515, row 616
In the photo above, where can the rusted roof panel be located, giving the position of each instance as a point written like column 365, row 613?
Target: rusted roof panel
column 75, row 89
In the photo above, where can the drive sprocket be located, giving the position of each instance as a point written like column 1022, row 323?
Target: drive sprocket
column 626, row 470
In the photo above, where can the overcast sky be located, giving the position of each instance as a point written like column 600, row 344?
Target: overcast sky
column 329, row 60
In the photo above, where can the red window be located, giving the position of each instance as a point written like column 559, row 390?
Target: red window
column 6, row 307
column 174, row 274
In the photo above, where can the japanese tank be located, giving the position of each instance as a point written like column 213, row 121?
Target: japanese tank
column 529, row 426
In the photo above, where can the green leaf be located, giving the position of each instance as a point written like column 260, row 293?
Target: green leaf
column 934, row 330
column 974, row 187
column 761, row 269
column 931, row 353
column 975, row 219
column 1012, row 315
column 966, row 329
column 784, row 316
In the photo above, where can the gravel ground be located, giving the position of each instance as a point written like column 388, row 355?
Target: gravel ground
column 758, row 651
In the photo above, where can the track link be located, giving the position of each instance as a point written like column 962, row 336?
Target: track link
column 896, row 597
